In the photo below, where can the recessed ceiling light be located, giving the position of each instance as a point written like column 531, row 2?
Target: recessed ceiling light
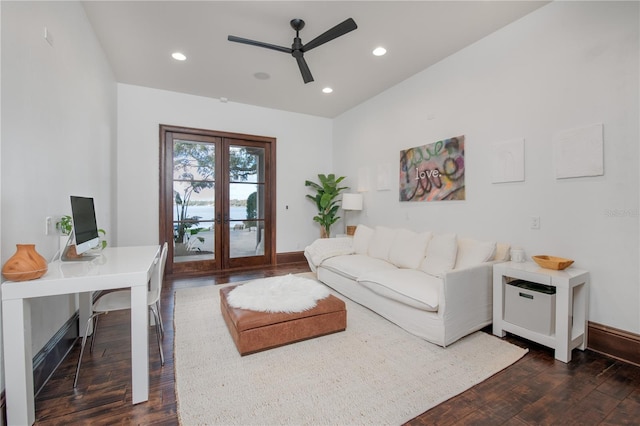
column 262, row 75
column 178, row 56
column 379, row 51
column 327, row 90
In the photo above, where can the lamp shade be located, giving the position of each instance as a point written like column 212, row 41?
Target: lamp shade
column 352, row 201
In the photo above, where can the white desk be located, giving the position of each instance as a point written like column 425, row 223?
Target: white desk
column 117, row 267
column 572, row 304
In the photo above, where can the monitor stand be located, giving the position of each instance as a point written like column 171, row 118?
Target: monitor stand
column 69, row 253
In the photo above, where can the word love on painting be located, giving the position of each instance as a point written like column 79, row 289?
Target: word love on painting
column 433, row 172
column 426, row 173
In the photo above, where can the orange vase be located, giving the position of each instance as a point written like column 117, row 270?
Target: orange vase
column 26, row 264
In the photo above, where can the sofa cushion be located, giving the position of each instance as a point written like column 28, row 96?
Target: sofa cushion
column 353, row 266
column 361, row 239
column 441, row 255
column 380, row 244
column 408, row 286
column 473, row 252
column 409, row 248
column 502, row 252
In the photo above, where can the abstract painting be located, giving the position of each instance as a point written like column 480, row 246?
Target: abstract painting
column 433, row 172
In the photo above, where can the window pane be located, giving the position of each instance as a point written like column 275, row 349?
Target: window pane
column 197, row 243
column 246, row 238
column 193, row 161
column 193, row 200
column 246, row 164
column 246, row 201
column 189, row 204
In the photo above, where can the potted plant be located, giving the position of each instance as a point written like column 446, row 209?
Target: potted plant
column 326, row 195
column 65, row 226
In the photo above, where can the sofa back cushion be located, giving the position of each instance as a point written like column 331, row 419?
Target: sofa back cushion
column 361, row 239
column 380, row 244
column 441, row 255
column 409, row 248
column 472, row 252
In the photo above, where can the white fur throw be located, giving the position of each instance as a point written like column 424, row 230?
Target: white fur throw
column 288, row 293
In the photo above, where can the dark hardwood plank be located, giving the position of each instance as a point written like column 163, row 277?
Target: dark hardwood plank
column 591, row 390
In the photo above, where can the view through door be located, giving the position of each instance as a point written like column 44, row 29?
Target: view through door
column 217, row 199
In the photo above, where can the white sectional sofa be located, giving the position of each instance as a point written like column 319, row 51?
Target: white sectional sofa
column 436, row 286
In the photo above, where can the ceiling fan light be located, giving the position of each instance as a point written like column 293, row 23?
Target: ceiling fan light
column 327, row 90
column 379, row 51
column 178, row 56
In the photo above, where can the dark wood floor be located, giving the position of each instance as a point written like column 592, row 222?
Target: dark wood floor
column 537, row 390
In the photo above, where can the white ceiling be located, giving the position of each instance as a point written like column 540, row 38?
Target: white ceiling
column 139, row 37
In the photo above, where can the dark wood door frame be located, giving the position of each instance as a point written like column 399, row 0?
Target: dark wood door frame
column 166, row 190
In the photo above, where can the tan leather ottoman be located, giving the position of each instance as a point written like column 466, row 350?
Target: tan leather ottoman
column 254, row 331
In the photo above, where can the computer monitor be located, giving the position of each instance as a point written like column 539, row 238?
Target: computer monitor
column 85, row 228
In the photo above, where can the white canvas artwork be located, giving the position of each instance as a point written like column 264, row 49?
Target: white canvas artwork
column 579, row 152
column 507, row 162
column 363, row 179
column 383, row 177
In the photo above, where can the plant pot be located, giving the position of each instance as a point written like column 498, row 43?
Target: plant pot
column 26, row 264
column 323, row 232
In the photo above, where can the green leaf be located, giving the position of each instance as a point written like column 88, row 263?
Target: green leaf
column 326, row 198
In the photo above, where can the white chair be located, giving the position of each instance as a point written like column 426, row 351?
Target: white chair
column 120, row 300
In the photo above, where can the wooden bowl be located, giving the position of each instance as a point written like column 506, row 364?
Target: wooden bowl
column 552, row 262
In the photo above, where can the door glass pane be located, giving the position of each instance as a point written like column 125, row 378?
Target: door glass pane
column 246, row 201
column 193, row 201
column 246, row 164
column 193, row 160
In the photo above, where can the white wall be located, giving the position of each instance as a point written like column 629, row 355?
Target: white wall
column 566, row 65
column 303, row 149
column 58, row 133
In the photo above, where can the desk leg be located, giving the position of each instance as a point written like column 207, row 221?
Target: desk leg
column 564, row 303
column 85, row 311
column 139, row 344
column 18, row 362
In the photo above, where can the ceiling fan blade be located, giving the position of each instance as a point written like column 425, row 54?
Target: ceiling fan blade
column 335, row 32
column 259, row 44
column 304, row 69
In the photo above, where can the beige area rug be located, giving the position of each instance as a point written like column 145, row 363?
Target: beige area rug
column 372, row 373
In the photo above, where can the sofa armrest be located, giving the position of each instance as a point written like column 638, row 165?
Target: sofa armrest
column 324, row 248
column 468, row 295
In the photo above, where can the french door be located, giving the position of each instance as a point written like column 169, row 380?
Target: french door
column 217, row 199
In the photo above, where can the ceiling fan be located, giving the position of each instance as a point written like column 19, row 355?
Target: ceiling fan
column 297, row 49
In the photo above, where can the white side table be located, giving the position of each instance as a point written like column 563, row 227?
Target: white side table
column 572, row 304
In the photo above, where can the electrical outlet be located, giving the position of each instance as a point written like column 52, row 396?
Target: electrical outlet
column 535, row 222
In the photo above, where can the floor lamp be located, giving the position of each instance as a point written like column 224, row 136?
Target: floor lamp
column 351, row 202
